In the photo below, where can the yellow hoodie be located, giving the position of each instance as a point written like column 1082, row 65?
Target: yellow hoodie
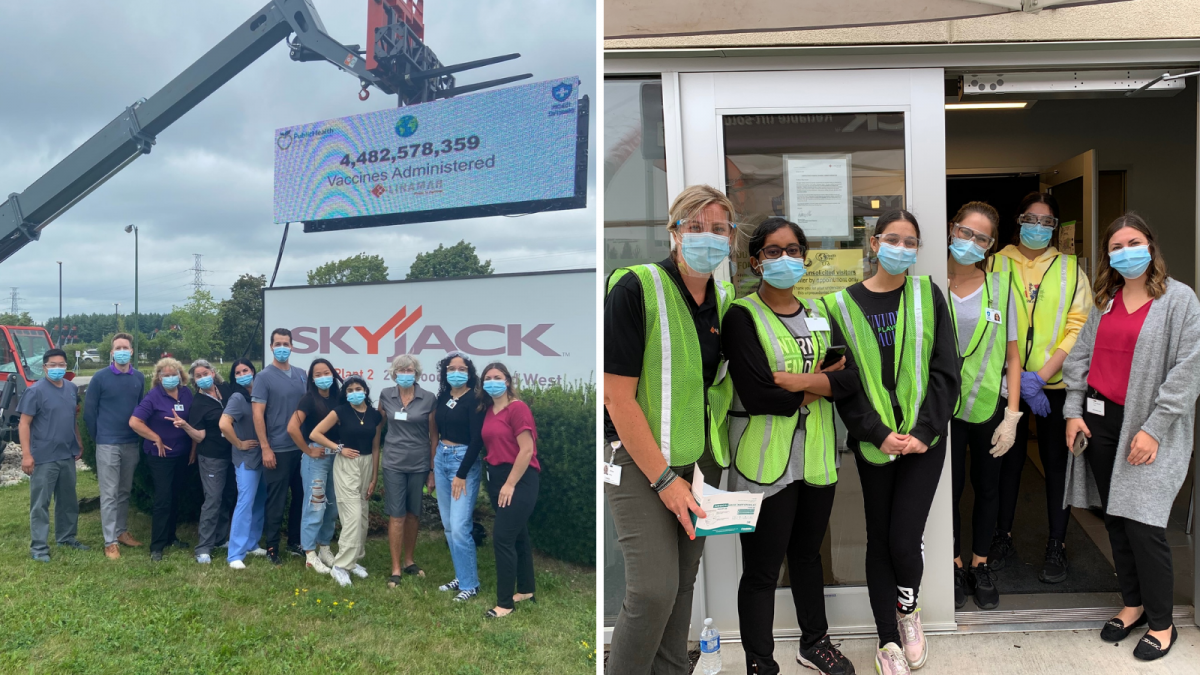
column 1030, row 273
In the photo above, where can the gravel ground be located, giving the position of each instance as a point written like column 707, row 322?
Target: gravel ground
column 10, row 466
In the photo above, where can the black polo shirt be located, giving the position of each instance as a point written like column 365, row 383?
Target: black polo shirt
column 625, row 329
column 205, row 416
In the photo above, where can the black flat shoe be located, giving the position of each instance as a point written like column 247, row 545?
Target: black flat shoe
column 1149, row 648
column 1115, row 630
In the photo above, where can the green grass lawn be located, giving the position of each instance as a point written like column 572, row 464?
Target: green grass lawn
column 82, row 613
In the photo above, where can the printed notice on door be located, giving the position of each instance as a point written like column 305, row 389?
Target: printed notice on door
column 818, row 195
column 830, row 271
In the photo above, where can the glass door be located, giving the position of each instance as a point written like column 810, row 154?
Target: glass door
column 829, row 150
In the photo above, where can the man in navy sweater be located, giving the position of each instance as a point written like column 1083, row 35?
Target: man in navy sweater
column 111, row 397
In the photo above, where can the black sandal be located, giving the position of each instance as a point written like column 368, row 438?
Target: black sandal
column 394, row 581
column 532, row 598
column 414, row 570
column 491, row 614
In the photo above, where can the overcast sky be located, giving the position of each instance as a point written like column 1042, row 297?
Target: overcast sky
column 70, row 67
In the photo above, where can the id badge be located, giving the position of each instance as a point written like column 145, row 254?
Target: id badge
column 451, row 403
column 815, row 323
column 178, row 407
column 1095, row 406
column 402, row 415
column 993, row 315
column 611, row 473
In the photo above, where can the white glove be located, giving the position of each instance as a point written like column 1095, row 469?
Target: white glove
column 1006, row 433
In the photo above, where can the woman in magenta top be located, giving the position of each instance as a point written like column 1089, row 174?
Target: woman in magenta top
column 510, row 436
column 1132, row 383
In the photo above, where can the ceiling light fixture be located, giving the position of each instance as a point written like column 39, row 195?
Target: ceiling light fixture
column 990, row 105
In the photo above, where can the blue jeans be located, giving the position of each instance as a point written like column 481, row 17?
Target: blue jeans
column 319, row 515
column 456, row 513
column 246, row 527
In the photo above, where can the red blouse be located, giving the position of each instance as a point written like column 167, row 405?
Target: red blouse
column 500, row 434
column 1112, row 355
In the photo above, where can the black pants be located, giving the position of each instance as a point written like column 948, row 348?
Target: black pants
column 1140, row 551
column 985, row 479
column 510, row 532
column 169, row 475
column 791, row 522
column 296, row 504
column 896, row 500
column 279, row 480
column 1052, row 448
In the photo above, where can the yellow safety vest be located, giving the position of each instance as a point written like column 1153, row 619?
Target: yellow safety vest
column 1043, row 322
column 982, row 367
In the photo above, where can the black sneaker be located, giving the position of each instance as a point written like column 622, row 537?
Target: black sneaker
column 295, row 549
column 1149, row 648
column 156, row 556
column 960, row 587
column 179, row 543
column 273, row 556
column 826, row 658
column 1054, row 570
column 983, row 586
column 1000, row 551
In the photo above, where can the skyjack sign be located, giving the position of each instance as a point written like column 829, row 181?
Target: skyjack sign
column 542, row 326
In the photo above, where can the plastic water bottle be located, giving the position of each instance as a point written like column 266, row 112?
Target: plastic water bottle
column 710, row 649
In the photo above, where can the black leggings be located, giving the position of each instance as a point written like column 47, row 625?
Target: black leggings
column 896, row 500
column 985, row 479
column 1052, row 448
column 792, row 522
column 510, row 532
column 1140, row 551
column 170, row 476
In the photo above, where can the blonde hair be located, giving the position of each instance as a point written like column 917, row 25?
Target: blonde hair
column 691, row 201
column 1109, row 280
column 404, row 361
column 169, row 362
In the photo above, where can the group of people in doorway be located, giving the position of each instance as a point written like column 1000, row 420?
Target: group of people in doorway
column 696, row 377
column 316, row 434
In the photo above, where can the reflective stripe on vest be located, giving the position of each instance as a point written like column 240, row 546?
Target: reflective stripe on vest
column 671, row 391
column 915, row 326
column 764, row 446
column 1044, row 324
column 983, row 362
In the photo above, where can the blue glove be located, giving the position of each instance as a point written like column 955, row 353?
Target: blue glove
column 1031, row 391
column 1039, row 404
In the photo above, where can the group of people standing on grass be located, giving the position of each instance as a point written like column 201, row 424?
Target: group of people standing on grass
column 315, row 434
column 696, row 377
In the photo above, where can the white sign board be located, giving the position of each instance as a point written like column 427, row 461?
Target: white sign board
column 818, row 195
column 542, row 325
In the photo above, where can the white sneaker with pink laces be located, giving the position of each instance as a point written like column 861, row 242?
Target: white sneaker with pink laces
column 913, row 638
column 889, row 660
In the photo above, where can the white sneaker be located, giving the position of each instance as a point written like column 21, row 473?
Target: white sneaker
column 889, row 660
column 339, row 575
column 326, row 555
column 315, row 563
column 259, row 551
column 359, row 571
column 452, row 586
column 204, row 559
column 464, row 595
column 237, row 565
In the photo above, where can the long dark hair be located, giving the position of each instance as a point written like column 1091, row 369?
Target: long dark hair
column 485, row 399
column 234, row 387
column 987, row 211
column 1109, row 280
column 444, row 384
column 356, row 379
column 895, row 216
column 334, row 389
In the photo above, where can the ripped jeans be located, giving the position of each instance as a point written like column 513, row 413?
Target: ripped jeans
column 319, row 515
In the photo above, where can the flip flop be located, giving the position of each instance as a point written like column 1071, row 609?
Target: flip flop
column 393, row 581
column 531, row 598
column 414, row 570
column 491, row 614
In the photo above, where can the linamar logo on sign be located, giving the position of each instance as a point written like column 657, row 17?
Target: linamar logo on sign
column 406, row 126
column 562, row 91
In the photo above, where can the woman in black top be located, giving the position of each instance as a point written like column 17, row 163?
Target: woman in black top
column 456, row 467
column 355, row 469
column 319, row 514
column 211, row 449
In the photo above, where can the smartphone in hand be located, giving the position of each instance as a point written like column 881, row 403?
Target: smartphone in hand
column 832, row 355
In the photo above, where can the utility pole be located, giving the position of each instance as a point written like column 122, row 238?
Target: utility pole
column 58, row 343
column 135, row 291
column 13, row 297
column 198, row 269
column 117, row 312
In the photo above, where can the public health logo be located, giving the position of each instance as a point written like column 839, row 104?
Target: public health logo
column 285, row 139
column 406, row 126
column 562, row 91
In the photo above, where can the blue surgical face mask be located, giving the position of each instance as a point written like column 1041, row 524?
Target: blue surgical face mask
column 170, row 381
column 1036, row 237
column 896, row 259
column 704, row 251
column 405, row 379
column 966, row 251
column 204, row 382
column 281, row 354
column 1130, row 262
column 495, row 388
column 122, row 356
column 323, row 383
column 244, row 380
column 456, row 378
column 783, row 272
column 356, row 397
column 56, row 374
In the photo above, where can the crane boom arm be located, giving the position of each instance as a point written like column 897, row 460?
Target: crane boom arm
column 133, row 132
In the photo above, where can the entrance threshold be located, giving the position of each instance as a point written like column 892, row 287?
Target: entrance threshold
column 1050, row 611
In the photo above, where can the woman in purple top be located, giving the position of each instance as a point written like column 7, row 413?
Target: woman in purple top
column 160, row 419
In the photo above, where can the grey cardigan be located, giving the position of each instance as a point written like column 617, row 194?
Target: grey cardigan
column 1163, row 384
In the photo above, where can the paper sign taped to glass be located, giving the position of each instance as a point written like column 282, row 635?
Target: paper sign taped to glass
column 725, row 512
column 829, row 271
